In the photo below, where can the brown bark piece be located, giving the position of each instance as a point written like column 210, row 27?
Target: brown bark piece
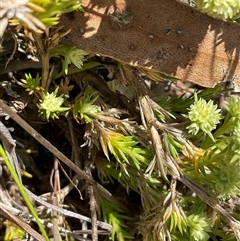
column 161, row 34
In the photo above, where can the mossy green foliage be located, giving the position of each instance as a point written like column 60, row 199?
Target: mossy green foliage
column 207, row 152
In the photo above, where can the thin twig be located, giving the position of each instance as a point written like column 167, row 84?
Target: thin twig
column 73, row 184
column 75, row 144
column 68, row 213
column 13, row 52
column 16, row 212
column 56, row 200
column 20, row 223
column 93, row 209
column 93, row 206
column 10, row 147
column 44, row 54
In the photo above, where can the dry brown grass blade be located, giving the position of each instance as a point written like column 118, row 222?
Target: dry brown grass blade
column 4, row 213
column 165, row 35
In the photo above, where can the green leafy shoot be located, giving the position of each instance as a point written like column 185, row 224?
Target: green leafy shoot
column 70, row 54
column 148, row 186
column 31, row 84
column 232, row 119
column 54, row 8
column 178, row 221
column 219, row 163
column 22, row 191
column 177, row 104
column 199, row 226
column 115, row 214
column 84, row 107
column 125, row 149
column 223, row 165
column 172, row 146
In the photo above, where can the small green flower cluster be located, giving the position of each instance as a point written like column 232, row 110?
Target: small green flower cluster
column 204, row 116
column 51, row 105
column 224, row 9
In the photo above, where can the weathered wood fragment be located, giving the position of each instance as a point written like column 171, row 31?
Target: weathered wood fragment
column 161, row 34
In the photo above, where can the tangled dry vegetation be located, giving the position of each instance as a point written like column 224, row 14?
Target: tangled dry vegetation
column 92, row 149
